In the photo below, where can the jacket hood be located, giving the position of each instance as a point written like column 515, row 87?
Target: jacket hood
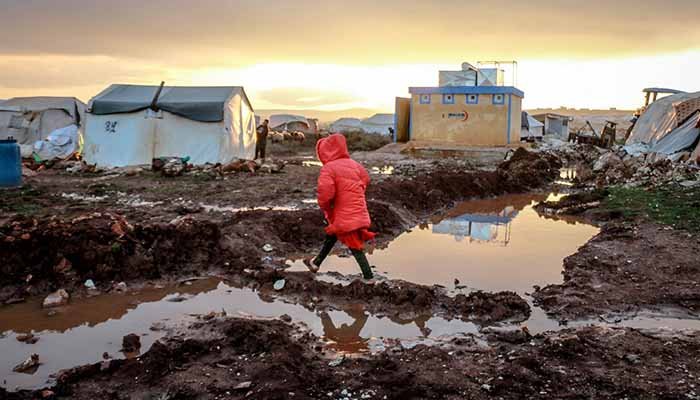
column 332, row 148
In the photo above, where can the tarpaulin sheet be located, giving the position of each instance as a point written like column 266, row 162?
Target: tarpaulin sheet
column 681, row 138
column 203, row 104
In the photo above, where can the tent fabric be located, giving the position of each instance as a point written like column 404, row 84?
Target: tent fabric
column 346, row 125
column 74, row 107
column 203, row 104
column 31, row 119
column 280, row 120
column 378, row 123
column 530, row 127
column 135, row 138
column 681, row 138
column 659, row 119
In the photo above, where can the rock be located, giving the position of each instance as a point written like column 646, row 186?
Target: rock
column 243, row 385
column 607, row 160
column 267, row 248
column 286, row 318
column 131, row 343
column 120, row 287
column 27, row 338
column 632, row 358
column 279, row 285
column 90, row 285
column 29, row 365
column 63, row 266
column 56, row 299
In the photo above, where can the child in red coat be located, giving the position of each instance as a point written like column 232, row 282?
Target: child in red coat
column 341, row 196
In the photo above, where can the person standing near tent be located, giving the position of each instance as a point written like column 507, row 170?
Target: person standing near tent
column 261, row 142
column 341, row 196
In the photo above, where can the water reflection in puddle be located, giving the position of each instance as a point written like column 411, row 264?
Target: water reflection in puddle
column 493, row 245
column 80, row 332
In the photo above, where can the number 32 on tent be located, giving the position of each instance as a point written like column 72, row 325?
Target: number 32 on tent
column 111, row 126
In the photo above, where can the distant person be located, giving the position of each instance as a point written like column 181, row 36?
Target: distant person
column 261, row 141
column 341, row 195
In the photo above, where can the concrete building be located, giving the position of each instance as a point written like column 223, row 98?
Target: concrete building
column 466, row 115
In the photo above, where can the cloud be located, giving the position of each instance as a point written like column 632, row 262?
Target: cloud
column 234, row 33
column 304, row 97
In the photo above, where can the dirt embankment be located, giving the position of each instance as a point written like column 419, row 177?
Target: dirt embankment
column 628, row 267
column 43, row 255
column 235, row 358
column 427, row 192
column 394, row 297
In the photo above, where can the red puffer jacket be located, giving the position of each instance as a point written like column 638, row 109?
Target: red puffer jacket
column 341, row 187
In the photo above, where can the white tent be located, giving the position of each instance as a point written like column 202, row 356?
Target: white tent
column 288, row 122
column 530, row 128
column 30, row 119
column 344, row 125
column 662, row 117
column 378, row 123
column 131, row 125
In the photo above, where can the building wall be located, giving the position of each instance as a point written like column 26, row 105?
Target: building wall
column 487, row 124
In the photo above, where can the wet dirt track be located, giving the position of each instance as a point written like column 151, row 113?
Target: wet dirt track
column 137, row 241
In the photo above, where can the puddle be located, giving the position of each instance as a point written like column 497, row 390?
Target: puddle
column 231, row 209
column 83, row 330
column 492, row 245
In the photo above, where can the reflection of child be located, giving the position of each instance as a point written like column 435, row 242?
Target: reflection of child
column 341, row 196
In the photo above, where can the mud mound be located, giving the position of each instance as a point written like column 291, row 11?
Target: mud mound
column 627, row 268
column 43, row 255
column 298, row 231
column 573, row 204
column 393, row 297
column 444, row 186
column 527, row 170
column 237, row 359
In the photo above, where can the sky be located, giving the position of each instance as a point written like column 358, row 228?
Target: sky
column 334, row 55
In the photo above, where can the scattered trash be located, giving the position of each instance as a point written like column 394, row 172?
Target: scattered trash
column 90, row 285
column 170, row 166
column 268, row 248
column 279, row 285
column 47, row 394
column 243, row 385
column 56, row 299
column 29, row 366
column 337, row 361
column 120, row 287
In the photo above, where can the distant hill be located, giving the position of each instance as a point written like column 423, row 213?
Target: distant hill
column 323, row 116
column 578, row 112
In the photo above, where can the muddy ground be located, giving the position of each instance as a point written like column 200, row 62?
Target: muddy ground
column 53, row 240
column 236, row 359
column 632, row 265
column 137, row 226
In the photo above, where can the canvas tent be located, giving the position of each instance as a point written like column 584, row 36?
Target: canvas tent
column 669, row 125
column 131, row 125
column 556, row 125
column 31, row 119
column 344, row 125
column 378, row 123
column 530, row 128
column 288, row 122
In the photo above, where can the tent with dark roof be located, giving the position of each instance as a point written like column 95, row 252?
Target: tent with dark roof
column 132, row 124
